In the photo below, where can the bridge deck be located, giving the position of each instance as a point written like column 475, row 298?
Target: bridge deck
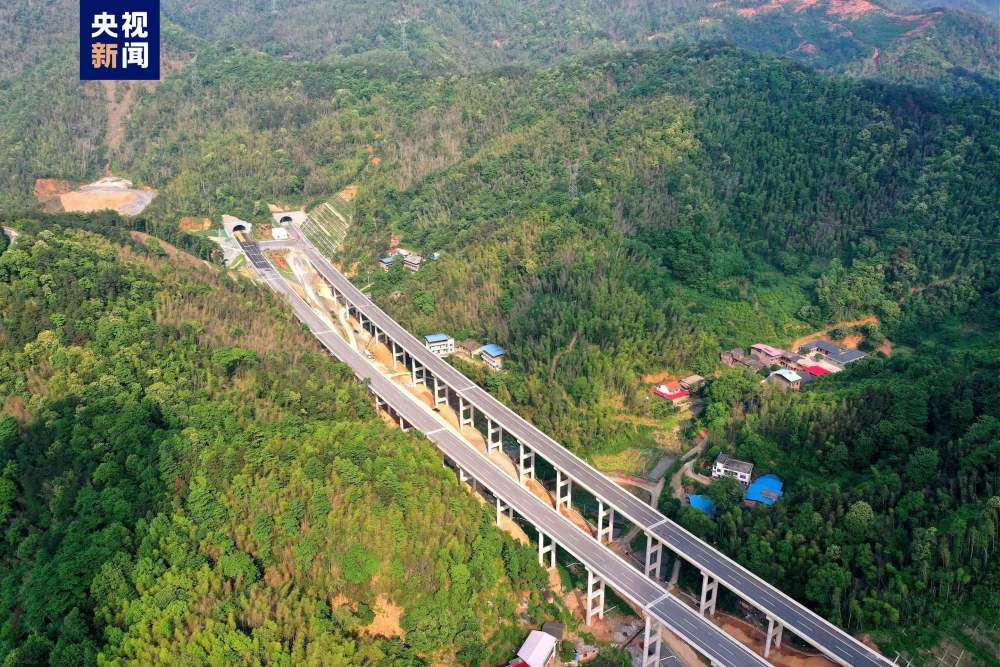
column 832, row 640
column 608, row 566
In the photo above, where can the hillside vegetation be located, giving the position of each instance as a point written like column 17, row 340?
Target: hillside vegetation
column 935, row 46
column 185, row 476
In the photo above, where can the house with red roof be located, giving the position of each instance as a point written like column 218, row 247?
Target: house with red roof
column 673, row 392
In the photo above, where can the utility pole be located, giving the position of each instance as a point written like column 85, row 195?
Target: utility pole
column 402, row 30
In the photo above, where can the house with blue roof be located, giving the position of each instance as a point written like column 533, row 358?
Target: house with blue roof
column 387, row 262
column 702, row 504
column 766, row 489
column 440, row 344
column 493, row 355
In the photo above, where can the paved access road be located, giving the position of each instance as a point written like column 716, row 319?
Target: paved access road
column 833, row 641
column 695, row 629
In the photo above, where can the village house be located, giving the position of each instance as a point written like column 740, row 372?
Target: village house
column 840, row 356
column 765, row 354
column 792, row 361
column 673, row 392
column 413, row 262
column 786, row 379
column 538, row 650
column 440, row 344
column 692, row 382
column 727, row 466
column 493, row 355
column 752, row 363
column 469, row 346
column 387, row 262
column 733, row 356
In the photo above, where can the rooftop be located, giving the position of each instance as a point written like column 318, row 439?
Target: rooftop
column 817, row 370
column 788, row 375
column 537, row 648
column 436, row 338
column 734, row 464
column 839, row 354
column 671, row 390
column 703, row 503
column 766, row 489
column 388, row 260
column 494, row 350
column 768, row 350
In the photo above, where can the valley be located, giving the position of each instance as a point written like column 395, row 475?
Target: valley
column 728, row 268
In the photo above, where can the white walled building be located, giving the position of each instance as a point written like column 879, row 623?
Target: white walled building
column 727, row 466
column 440, row 344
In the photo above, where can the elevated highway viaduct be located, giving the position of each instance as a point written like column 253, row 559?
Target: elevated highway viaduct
column 448, row 385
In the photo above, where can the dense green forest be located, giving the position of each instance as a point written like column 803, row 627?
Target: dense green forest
column 891, row 515
column 184, row 475
column 52, row 125
column 611, row 194
column 621, row 215
column 939, row 48
column 646, row 213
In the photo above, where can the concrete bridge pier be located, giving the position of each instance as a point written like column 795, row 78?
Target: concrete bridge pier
column 494, row 436
column 605, row 522
column 564, row 490
column 525, row 463
column 709, row 593
column 651, row 643
column 398, row 355
column 418, row 372
column 654, row 555
column 440, row 391
column 466, row 416
column 595, row 597
column 462, row 477
column 775, row 629
column 548, row 548
column 503, row 507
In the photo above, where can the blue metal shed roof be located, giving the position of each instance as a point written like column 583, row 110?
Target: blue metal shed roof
column 703, row 503
column 494, row 350
column 436, row 338
column 388, row 260
column 765, row 489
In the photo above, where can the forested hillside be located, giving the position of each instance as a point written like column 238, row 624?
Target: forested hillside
column 183, row 473
column 935, row 47
column 892, row 502
column 646, row 213
column 616, row 191
column 53, row 126
column 619, row 215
